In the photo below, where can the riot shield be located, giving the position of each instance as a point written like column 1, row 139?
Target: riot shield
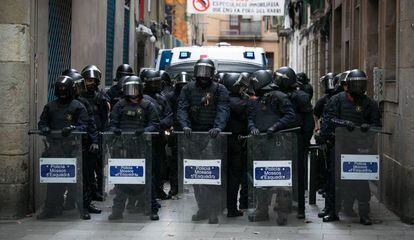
column 58, row 184
column 271, row 175
column 202, row 177
column 128, row 174
column 357, row 168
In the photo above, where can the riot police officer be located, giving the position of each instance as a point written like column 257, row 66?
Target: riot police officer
column 238, row 86
column 304, row 84
column 272, row 111
column 115, row 92
column 204, row 106
column 153, row 87
column 172, row 96
column 89, row 142
column 349, row 109
column 137, row 114
column 99, row 102
column 65, row 114
column 328, row 82
column 285, row 79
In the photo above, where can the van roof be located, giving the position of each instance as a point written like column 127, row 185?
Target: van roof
column 218, row 53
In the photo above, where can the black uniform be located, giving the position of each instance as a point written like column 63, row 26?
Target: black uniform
column 202, row 109
column 88, row 166
column 304, row 113
column 57, row 115
column 166, row 121
column 359, row 111
column 273, row 110
column 172, row 98
column 98, row 100
column 114, row 94
column 128, row 116
column 237, row 153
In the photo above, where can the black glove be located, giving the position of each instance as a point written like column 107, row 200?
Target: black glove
column 365, row 127
column 67, row 130
column 350, row 126
column 117, row 131
column 139, row 132
column 45, row 131
column 187, row 131
column 94, row 148
column 270, row 131
column 319, row 140
column 254, row 132
column 214, row 132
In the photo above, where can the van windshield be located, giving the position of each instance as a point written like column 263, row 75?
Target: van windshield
column 221, row 67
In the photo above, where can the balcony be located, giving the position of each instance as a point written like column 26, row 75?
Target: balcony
column 242, row 29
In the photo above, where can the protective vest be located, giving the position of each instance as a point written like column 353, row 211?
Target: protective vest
column 203, row 106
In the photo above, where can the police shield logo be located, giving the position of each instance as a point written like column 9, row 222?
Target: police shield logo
column 139, row 111
column 68, row 117
column 206, row 99
column 358, row 109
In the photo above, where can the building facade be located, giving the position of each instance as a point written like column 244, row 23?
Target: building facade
column 248, row 31
column 41, row 38
column 320, row 36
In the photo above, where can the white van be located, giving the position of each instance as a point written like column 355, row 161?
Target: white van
column 226, row 58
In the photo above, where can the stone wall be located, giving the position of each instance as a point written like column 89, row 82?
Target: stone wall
column 14, row 88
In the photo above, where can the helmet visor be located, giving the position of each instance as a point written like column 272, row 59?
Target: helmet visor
column 80, row 87
column 329, row 84
column 357, row 85
column 153, row 84
column 203, row 70
column 132, row 89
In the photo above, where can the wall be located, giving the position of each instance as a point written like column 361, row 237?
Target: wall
column 89, row 34
column 15, row 73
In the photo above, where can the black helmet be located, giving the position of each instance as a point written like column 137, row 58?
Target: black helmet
column 357, row 82
column 92, row 72
column 285, row 78
column 133, row 87
column 229, row 80
column 152, row 80
column 64, row 87
column 123, row 70
column 219, row 77
column 181, row 79
column 69, row 71
column 238, row 83
column 165, row 78
column 204, row 68
column 79, row 83
column 328, row 82
column 121, row 81
column 302, row 78
column 261, row 78
column 342, row 78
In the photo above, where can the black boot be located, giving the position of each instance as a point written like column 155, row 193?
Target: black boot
column 199, row 216
column 154, row 215
column 93, row 209
column 213, row 219
column 323, row 213
column 84, row 215
column 234, row 213
column 365, row 220
column 259, row 215
column 115, row 215
column 282, row 218
column 331, row 217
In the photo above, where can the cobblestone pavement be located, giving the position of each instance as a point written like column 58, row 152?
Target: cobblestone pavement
column 175, row 224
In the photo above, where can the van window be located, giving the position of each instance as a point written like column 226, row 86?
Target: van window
column 165, row 60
